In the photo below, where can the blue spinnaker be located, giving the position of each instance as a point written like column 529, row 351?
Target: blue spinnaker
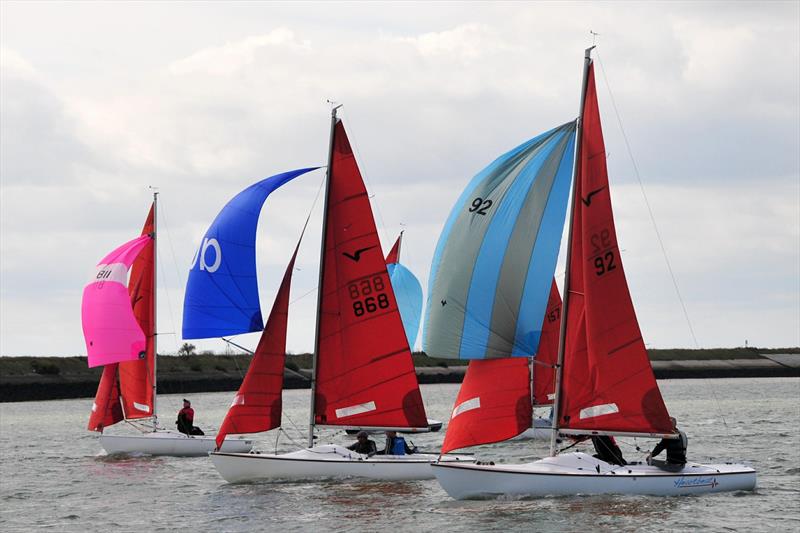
column 408, row 293
column 222, row 290
column 494, row 262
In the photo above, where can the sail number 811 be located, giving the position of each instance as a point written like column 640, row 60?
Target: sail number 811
column 367, row 295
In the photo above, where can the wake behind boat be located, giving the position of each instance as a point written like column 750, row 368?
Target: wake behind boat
column 604, row 383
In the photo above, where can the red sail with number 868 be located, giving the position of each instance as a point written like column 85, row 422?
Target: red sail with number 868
column 365, row 374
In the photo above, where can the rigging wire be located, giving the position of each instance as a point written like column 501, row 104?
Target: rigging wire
column 655, row 226
column 310, row 212
column 647, row 202
column 352, row 137
column 163, row 217
column 169, row 302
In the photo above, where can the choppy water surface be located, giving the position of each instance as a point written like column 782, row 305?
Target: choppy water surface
column 55, row 477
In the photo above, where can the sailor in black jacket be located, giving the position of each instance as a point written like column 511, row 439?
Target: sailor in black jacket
column 676, row 448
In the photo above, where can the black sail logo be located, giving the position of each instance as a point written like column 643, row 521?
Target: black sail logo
column 588, row 200
column 356, row 256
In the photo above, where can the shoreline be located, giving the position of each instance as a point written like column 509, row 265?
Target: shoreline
column 42, row 387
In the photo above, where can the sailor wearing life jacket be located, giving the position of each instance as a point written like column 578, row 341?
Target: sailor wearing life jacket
column 396, row 445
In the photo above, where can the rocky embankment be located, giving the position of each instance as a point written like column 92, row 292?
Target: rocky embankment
column 52, row 378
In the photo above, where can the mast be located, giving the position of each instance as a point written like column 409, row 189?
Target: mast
column 321, row 271
column 399, row 245
column 562, row 334
column 533, row 391
column 155, row 307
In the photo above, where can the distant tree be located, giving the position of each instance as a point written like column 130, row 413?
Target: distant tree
column 186, row 349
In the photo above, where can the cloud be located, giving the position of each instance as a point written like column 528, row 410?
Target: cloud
column 235, row 56
column 92, row 115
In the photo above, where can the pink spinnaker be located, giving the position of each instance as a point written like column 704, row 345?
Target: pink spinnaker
column 109, row 326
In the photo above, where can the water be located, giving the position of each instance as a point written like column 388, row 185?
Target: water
column 53, row 476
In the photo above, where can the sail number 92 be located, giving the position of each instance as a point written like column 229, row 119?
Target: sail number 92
column 480, row 206
column 367, row 295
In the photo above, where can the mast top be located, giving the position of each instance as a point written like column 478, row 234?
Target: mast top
column 334, row 107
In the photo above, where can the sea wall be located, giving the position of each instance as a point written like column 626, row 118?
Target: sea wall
column 18, row 388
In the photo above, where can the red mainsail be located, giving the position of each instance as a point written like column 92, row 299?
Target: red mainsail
column 608, row 383
column 136, row 377
column 106, row 409
column 494, row 402
column 258, row 404
column 365, row 376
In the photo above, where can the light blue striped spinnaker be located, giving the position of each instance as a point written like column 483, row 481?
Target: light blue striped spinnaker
column 495, row 259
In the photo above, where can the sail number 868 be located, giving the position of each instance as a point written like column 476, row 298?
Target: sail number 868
column 367, row 295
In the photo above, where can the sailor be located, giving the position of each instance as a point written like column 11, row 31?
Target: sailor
column 607, row 450
column 364, row 444
column 676, row 449
column 396, row 445
column 185, row 421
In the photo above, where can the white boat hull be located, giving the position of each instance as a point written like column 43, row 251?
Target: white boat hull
column 326, row 462
column 171, row 443
column 577, row 473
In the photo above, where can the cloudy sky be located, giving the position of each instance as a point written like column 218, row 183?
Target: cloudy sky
column 101, row 100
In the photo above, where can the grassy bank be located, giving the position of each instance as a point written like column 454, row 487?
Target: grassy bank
column 236, row 365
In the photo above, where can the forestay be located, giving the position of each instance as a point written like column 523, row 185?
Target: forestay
column 365, row 375
column 222, row 289
column 608, row 383
column 493, row 264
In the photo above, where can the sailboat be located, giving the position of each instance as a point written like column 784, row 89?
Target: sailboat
column 119, row 319
column 363, row 375
column 604, row 382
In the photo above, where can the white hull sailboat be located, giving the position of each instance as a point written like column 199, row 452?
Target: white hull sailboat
column 604, row 383
column 173, row 443
column 327, row 462
column 119, row 318
column 363, row 375
column 580, row 473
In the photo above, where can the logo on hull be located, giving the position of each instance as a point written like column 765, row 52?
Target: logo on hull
column 695, row 481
